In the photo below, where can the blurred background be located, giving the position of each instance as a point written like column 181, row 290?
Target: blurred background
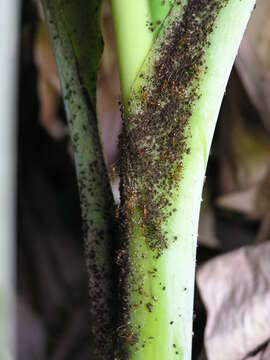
column 232, row 297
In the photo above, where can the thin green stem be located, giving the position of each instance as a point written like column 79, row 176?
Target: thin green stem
column 133, row 15
column 68, row 24
column 136, row 25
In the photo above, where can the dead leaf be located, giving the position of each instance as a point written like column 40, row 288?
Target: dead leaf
column 49, row 90
column 253, row 61
column 108, row 90
column 235, row 289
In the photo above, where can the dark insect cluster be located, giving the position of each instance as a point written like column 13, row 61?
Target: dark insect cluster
column 156, row 120
column 156, row 126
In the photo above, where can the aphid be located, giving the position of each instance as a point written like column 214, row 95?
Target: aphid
column 181, row 42
column 113, row 173
column 152, row 103
column 161, row 68
column 178, row 171
column 196, row 69
column 180, row 93
column 130, row 337
column 144, row 211
column 165, row 155
column 163, row 85
column 172, row 88
column 121, row 331
column 142, row 152
column 120, row 254
column 117, row 209
column 131, row 201
column 144, row 94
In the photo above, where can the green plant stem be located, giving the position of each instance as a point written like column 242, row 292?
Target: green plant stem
column 68, row 24
column 140, row 39
column 134, row 37
column 137, row 20
column 159, row 280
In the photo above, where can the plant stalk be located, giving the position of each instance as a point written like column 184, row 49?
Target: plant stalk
column 76, row 40
column 171, row 99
